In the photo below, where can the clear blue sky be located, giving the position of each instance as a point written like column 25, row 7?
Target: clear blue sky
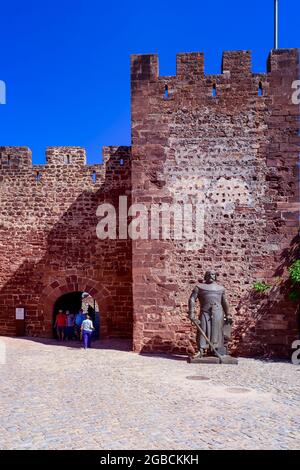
column 66, row 62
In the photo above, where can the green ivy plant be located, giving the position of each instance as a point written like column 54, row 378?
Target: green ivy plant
column 261, row 287
column 294, row 271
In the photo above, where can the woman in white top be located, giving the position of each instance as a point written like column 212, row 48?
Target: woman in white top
column 87, row 329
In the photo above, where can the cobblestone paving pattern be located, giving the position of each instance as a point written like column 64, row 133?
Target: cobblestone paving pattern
column 59, row 396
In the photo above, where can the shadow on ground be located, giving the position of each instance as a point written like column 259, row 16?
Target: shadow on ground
column 105, row 344
column 110, row 344
column 174, row 357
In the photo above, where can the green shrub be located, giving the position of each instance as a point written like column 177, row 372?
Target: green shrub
column 261, row 287
column 294, row 271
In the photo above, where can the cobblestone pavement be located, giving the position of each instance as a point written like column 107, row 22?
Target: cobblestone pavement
column 59, row 396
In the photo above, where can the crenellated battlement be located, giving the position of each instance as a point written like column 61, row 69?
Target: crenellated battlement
column 237, row 64
column 66, row 156
column 14, row 159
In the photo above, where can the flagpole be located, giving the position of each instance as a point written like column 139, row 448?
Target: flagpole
column 276, row 24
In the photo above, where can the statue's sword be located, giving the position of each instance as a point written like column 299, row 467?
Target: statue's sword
column 208, row 340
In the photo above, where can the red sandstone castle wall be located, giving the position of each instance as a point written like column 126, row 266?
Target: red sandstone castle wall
column 48, row 243
column 237, row 153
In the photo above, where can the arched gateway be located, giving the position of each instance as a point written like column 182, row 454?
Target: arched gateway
column 73, row 284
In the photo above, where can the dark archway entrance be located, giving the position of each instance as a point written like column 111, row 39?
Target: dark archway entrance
column 72, row 302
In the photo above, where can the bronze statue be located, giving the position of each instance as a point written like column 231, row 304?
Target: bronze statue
column 213, row 317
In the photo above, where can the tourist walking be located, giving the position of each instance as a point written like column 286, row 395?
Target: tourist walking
column 87, row 329
column 60, row 324
column 79, row 317
column 70, row 325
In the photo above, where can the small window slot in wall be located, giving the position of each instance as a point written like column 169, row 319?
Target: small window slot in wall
column 260, row 89
column 94, row 176
column 122, row 162
column 166, row 92
column 214, row 91
column 8, row 160
column 38, row 177
column 67, row 160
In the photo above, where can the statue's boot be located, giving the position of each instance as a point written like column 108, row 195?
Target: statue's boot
column 198, row 354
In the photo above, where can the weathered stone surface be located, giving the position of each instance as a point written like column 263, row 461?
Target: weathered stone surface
column 48, row 242
column 237, row 154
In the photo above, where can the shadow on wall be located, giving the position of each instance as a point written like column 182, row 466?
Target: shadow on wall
column 268, row 321
column 166, row 349
column 73, row 259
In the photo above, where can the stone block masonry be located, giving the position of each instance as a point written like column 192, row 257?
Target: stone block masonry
column 48, row 237
column 229, row 142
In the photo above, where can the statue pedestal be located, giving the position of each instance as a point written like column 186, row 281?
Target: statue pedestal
column 213, row 360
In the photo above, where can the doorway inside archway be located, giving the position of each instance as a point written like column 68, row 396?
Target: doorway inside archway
column 71, row 303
